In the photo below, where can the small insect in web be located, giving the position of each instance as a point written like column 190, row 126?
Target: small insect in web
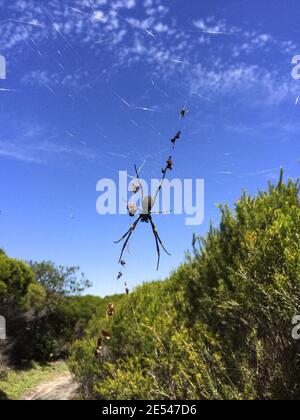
column 98, row 351
column 99, row 347
column 145, row 216
column 132, row 209
column 175, row 138
column 135, row 188
column 106, row 335
column 123, row 263
column 183, row 113
column 111, row 310
column 169, row 164
column 120, row 275
column 127, row 291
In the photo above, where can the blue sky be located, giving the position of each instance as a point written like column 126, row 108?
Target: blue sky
column 71, row 66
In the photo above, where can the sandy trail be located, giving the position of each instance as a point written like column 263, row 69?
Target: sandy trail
column 62, row 388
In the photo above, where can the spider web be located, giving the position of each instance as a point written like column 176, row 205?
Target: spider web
column 76, row 57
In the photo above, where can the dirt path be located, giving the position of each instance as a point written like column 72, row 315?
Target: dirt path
column 62, row 388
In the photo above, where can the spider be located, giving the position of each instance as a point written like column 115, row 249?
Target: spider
column 146, row 215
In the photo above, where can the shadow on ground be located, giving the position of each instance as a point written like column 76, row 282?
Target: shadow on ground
column 3, row 396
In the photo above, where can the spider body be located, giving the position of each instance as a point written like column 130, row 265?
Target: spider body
column 147, row 205
column 145, row 216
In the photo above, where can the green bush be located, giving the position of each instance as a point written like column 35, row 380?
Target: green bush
column 18, row 286
column 43, row 308
column 220, row 326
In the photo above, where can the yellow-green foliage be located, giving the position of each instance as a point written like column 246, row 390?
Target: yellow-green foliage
column 220, row 326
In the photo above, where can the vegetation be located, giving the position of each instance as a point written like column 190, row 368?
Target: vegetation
column 220, row 326
column 44, row 310
column 16, row 383
column 19, row 289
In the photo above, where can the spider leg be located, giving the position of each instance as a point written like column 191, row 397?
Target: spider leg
column 157, row 238
column 132, row 227
column 139, row 181
column 160, row 185
column 128, row 234
column 162, row 245
column 124, row 246
column 157, row 244
column 162, row 212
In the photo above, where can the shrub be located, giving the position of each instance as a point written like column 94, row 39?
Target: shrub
column 220, row 326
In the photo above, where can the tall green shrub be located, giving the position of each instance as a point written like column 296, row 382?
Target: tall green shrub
column 221, row 326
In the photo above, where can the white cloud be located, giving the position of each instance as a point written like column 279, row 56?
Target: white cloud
column 212, row 26
column 155, row 38
column 242, row 81
column 13, row 151
column 54, row 82
column 32, row 142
